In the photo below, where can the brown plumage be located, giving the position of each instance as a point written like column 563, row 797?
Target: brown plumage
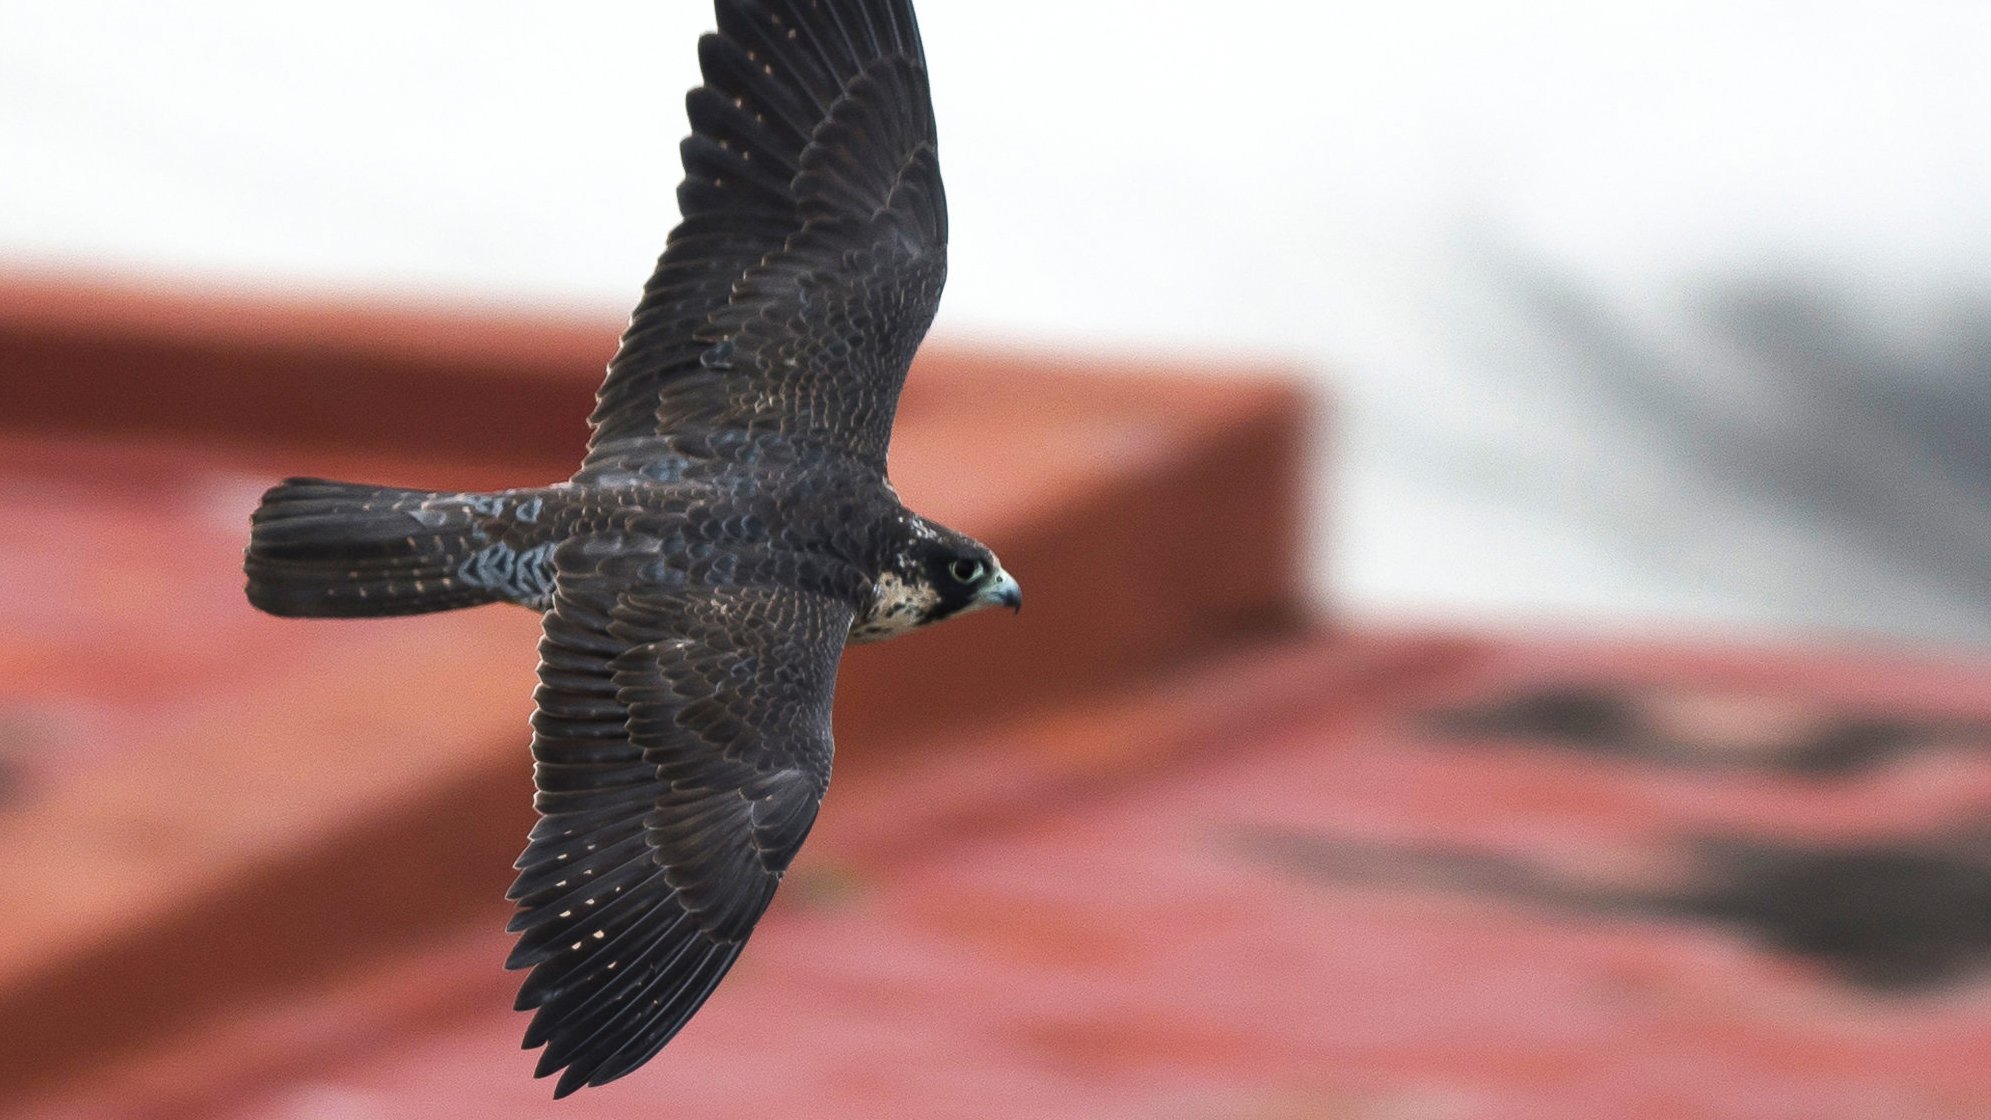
column 730, row 529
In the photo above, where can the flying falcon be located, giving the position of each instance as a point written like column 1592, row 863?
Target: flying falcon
column 729, row 530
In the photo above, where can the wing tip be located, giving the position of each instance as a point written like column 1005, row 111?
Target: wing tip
column 610, row 1054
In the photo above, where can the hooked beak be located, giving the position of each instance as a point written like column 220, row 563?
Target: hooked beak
column 1004, row 591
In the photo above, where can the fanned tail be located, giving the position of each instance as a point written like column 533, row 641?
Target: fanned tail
column 321, row 549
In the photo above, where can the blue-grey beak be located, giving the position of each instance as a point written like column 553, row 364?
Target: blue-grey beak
column 1003, row 591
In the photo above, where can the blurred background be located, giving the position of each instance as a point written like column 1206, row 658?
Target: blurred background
column 1506, row 494
column 1659, row 311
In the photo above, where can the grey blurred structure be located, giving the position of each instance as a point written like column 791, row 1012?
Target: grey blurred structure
column 1672, row 313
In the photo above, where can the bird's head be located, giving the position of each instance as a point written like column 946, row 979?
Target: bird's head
column 938, row 573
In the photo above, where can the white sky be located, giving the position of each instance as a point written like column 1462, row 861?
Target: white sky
column 1351, row 187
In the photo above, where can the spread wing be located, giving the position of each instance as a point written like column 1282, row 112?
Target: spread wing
column 682, row 742
column 813, row 246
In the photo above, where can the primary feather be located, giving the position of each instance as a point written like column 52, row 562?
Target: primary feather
column 729, row 531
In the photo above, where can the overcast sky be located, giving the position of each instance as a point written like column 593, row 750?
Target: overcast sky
column 1554, row 257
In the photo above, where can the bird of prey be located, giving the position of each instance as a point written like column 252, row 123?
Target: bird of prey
column 729, row 530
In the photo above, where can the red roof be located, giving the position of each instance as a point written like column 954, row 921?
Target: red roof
column 1180, row 859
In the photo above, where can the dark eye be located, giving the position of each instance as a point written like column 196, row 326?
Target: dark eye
column 965, row 571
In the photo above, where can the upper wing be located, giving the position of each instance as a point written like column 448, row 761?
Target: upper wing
column 813, row 246
column 682, row 742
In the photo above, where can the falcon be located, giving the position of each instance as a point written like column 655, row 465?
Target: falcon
column 730, row 529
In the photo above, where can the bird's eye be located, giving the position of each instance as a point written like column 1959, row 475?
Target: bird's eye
column 965, row 571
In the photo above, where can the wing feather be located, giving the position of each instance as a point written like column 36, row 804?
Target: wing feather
column 812, row 249
column 681, row 746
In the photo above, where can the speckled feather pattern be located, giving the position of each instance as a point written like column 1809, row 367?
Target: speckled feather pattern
column 729, row 530
column 812, row 251
column 681, row 747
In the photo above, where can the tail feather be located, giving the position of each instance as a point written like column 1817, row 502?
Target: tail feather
column 321, row 549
